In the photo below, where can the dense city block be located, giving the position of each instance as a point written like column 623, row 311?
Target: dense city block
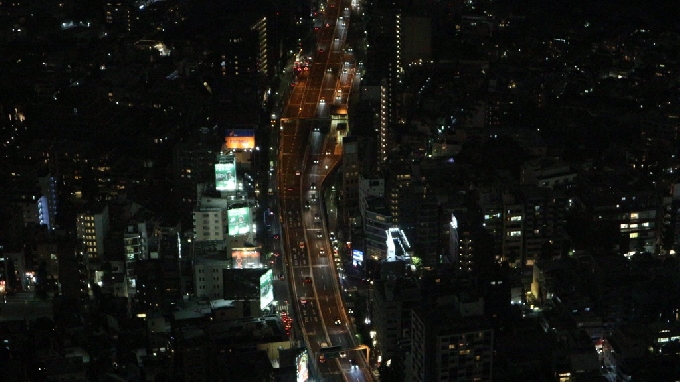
column 339, row 190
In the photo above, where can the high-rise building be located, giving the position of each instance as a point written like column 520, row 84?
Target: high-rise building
column 118, row 16
column 455, row 251
column 260, row 26
column 377, row 220
column 31, row 204
column 426, row 230
column 210, row 224
column 208, row 276
column 159, row 277
column 384, row 145
column 491, row 207
column 414, row 40
column 351, row 173
column 193, row 163
column 398, row 246
column 626, row 201
column 391, row 307
column 544, row 222
column 136, row 245
column 91, row 228
column 513, row 228
column 452, row 342
column 47, row 209
column 397, row 188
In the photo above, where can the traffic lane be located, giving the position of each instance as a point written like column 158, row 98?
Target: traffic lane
column 310, row 319
column 295, row 96
column 329, row 297
column 314, row 85
column 299, row 260
column 316, row 144
column 340, row 335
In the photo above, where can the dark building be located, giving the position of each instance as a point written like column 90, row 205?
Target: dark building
column 391, row 307
column 622, row 210
column 451, row 341
column 159, row 283
column 193, row 163
column 242, row 284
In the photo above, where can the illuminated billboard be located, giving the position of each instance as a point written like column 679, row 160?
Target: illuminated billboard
column 357, row 257
column 225, row 176
column 302, row 361
column 240, row 221
column 266, row 289
column 245, row 258
column 240, row 139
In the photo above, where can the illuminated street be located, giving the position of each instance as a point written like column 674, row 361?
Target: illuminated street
column 309, row 151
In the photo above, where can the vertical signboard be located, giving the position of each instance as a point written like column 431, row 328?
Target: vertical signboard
column 357, row 257
column 302, row 367
column 266, row 289
column 240, row 221
column 225, row 176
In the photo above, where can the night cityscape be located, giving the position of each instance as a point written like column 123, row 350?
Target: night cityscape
column 339, row 190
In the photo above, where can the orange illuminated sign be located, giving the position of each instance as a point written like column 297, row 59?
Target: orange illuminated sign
column 240, row 139
column 240, row 142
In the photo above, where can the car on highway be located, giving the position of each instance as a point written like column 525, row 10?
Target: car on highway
column 308, row 280
column 320, row 50
column 343, row 354
column 303, row 300
column 322, row 358
column 353, row 364
column 322, row 252
column 337, row 322
column 302, row 245
column 317, row 217
column 313, row 187
column 315, row 161
column 322, row 99
column 319, row 235
column 307, row 205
